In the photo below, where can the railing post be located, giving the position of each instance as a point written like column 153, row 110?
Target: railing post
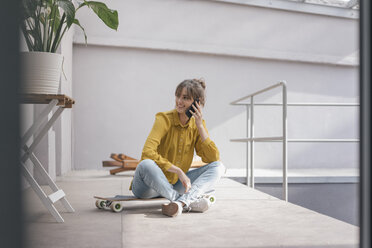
column 285, row 143
column 252, row 143
column 248, row 146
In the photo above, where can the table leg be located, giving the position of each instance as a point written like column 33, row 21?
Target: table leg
column 40, row 193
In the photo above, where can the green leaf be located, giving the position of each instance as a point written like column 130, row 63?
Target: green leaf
column 108, row 16
column 26, row 34
column 43, row 27
column 76, row 21
column 69, row 9
column 57, row 21
column 53, row 27
column 28, row 8
column 58, row 33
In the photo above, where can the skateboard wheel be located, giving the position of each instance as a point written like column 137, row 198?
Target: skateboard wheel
column 116, row 206
column 212, row 199
column 100, row 204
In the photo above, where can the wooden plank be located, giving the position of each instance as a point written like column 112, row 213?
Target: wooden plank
column 114, row 171
column 132, row 164
column 63, row 100
column 112, row 164
column 126, row 157
column 128, row 167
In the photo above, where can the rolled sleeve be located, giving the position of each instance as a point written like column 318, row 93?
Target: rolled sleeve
column 206, row 143
column 207, row 149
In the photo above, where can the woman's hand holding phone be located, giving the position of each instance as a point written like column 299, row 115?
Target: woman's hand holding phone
column 191, row 109
column 197, row 113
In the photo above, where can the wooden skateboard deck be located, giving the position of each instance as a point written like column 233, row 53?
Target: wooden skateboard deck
column 126, row 198
column 115, row 203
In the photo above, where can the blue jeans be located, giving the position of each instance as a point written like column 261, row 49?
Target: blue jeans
column 149, row 182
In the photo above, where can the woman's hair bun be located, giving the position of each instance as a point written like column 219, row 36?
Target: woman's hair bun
column 201, row 81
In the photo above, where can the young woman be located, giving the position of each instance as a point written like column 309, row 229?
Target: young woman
column 168, row 153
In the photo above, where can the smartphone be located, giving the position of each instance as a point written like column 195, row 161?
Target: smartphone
column 188, row 113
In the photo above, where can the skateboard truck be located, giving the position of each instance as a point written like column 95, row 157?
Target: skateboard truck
column 107, row 205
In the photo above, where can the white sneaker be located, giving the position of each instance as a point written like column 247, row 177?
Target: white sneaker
column 172, row 209
column 200, row 205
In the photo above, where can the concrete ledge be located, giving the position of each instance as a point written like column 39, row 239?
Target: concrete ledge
column 311, row 8
column 298, row 175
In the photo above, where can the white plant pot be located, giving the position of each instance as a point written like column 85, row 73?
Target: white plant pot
column 40, row 72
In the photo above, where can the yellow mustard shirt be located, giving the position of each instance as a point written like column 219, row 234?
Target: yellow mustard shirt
column 170, row 142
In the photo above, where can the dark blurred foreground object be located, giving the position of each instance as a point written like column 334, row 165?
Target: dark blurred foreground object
column 11, row 232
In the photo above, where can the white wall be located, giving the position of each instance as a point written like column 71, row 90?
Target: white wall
column 225, row 28
column 64, row 125
column 125, row 77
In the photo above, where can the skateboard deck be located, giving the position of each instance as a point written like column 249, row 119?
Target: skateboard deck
column 126, row 198
column 116, row 203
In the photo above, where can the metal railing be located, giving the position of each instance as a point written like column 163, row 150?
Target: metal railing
column 251, row 139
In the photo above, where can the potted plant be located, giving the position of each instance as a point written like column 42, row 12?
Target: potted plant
column 43, row 24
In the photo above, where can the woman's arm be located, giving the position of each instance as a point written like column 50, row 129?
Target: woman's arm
column 198, row 115
column 205, row 147
column 203, row 133
column 149, row 151
column 185, row 180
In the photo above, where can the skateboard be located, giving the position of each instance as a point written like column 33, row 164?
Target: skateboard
column 116, row 203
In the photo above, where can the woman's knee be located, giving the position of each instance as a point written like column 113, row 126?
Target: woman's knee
column 147, row 194
column 219, row 166
column 146, row 165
